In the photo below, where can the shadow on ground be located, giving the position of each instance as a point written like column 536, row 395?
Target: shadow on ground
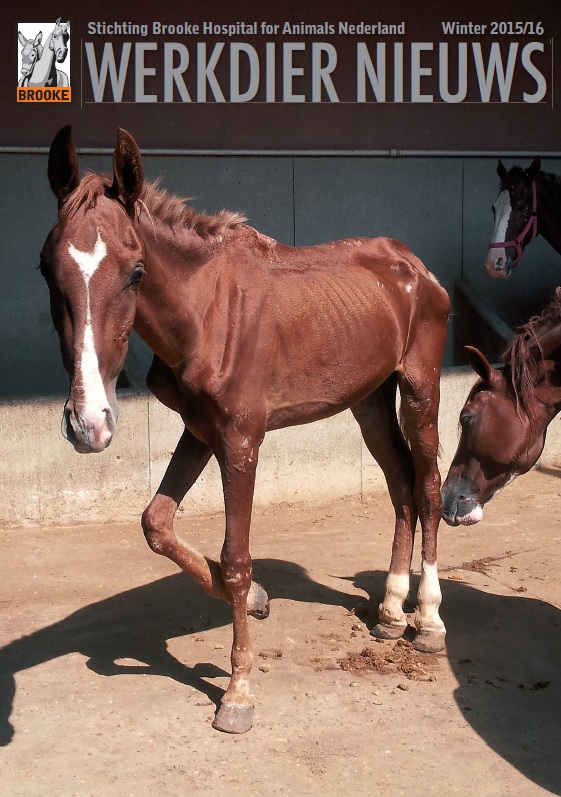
column 137, row 624
column 505, row 652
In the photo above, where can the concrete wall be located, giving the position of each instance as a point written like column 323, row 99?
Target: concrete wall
column 44, row 482
column 440, row 207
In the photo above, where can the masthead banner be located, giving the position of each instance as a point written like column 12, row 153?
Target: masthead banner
column 327, row 76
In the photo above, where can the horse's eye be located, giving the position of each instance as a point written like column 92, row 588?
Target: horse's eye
column 465, row 418
column 520, row 207
column 44, row 272
column 136, row 275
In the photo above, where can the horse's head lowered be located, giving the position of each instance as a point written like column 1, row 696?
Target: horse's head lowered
column 516, row 220
column 92, row 261
column 505, row 418
column 499, row 441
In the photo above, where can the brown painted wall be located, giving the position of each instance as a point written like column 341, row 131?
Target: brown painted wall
column 522, row 34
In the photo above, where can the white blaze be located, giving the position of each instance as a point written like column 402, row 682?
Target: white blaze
column 88, row 367
column 502, row 216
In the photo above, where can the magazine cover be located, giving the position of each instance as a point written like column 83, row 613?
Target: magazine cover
column 227, row 219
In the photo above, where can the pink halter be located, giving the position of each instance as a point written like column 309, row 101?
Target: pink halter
column 531, row 225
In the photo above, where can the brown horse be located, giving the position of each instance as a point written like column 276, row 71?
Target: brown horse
column 529, row 204
column 249, row 335
column 505, row 418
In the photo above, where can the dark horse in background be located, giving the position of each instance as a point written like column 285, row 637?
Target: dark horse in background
column 249, row 335
column 505, row 418
column 528, row 204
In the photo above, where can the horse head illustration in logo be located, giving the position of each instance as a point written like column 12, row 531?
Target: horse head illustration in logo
column 39, row 62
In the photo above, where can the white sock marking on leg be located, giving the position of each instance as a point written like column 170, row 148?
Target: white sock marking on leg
column 391, row 610
column 429, row 599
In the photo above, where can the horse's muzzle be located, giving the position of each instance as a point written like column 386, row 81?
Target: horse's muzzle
column 459, row 508
column 467, row 513
column 500, row 267
column 88, row 431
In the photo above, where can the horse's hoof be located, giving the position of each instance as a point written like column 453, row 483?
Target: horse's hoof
column 383, row 631
column 231, row 718
column 258, row 602
column 430, row 641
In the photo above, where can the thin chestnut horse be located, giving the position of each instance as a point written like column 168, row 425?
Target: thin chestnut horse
column 505, row 418
column 249, row 335
column 528, row 205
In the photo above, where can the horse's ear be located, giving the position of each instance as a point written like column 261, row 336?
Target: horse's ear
column 63, row 164
column 128, row 171
column 22, row 39
column 501, row 169
column 534, row 168
column 481, row 365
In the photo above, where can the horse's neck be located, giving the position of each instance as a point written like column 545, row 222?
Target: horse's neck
column 161, row 302
column 548, row 386
column 44, row 68
column 549, row 210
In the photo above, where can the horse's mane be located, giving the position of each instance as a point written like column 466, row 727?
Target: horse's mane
column 168, row 208
column 517, row 174
column 524, row 352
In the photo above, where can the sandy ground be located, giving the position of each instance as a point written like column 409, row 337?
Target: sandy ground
column 112, row 661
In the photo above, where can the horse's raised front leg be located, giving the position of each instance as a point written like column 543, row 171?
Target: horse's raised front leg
column 420, row 408
column 186, row 465
column 378, row 422
column 238, row 462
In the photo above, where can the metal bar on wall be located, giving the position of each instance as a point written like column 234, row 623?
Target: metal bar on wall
column 305, row 153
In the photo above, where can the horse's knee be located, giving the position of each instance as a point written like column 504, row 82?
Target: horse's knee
column 158, row 536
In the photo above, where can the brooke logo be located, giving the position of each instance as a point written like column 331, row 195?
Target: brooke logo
column 44, row 62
